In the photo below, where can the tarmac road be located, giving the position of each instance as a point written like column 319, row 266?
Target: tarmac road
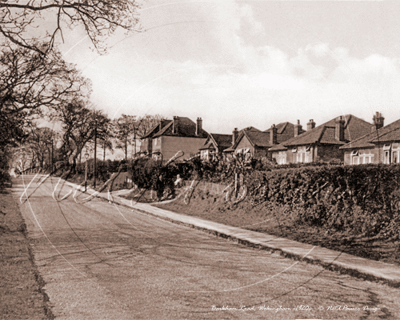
column 103, row 261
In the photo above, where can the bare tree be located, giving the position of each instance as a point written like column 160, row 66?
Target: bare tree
column 79, row 124
column 29, row 81
column 19, row 20
column 40, row 141
column 147, row 122
column 125, row 131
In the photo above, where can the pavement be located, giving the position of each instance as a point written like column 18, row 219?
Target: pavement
column 330, row 259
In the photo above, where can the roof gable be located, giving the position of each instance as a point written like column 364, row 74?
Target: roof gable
column 185, row 128
column 222, row 140
column 156, row 128
column 387, row 133
column 325, row 133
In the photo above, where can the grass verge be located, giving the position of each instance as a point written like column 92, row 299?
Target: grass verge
column 21, row 295
column 281, row 222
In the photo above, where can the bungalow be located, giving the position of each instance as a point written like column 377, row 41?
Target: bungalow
column 215, row 144
column 381, row 145
column 321, row 143
column 257, row 143
column 170, row 136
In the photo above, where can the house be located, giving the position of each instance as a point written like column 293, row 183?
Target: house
column 257, row 143
column 321, row 143
column 215, row 144
column 381, row 145
column 170, row 136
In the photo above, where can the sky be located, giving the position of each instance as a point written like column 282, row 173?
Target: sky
column 249, row 63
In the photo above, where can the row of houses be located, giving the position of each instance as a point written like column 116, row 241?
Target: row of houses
column 346, row 139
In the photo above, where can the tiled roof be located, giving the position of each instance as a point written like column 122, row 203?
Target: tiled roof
column 186, row 128
column 208, row 145
column 156, row 128
column 279, row 127
column 325, row 133
column 391, row 132
column 285, row 131
column 388, row 137
column 259, row 139
column 223, row 141
column 239, row 137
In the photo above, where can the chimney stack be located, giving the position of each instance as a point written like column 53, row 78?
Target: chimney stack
column 378, row 121
column 235, row 134
column 310, row 125
column 297, row 128
column 175, row 125
column 339, row 129
column 199, row 126
column 273, row 135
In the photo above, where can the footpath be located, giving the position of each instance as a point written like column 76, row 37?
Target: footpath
column 330, row 259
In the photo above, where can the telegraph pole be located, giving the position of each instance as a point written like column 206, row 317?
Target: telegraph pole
column 95, row 152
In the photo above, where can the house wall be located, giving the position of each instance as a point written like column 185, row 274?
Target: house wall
column 244, row 144
column 300, row 154
column 260, row 152
column 280, row 157
column 327, row 153
column 382, row 153
column 308, row 154
column 146, row 145
column 170, row 145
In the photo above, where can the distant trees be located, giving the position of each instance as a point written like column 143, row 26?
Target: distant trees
column 147, row 122
column 40, row 141
column 79, row 124
column 33, row 75
column 127, row 129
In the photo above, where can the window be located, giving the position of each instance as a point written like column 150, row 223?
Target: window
column 281, row 158
column 386, row 157
column 386, row 147
column 301, row 156
column 355, row 159
column 204, row 154
column 395, row 156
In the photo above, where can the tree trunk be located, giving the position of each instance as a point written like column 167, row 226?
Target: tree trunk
column 126, row 149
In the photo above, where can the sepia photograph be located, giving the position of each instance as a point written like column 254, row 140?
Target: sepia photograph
column 199, row 159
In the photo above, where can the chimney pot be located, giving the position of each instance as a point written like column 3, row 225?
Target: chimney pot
column 378, row 121
column 175, row 125
column 235, row 134
column 199, row 126
column 339, row 129
column 310, row 125
column 273, row 135
column 297, row 128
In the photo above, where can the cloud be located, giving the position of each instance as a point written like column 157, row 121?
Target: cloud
column 212, row 70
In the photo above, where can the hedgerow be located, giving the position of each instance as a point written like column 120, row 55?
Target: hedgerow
column 362, row 200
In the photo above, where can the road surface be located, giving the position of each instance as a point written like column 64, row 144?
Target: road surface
column 103, row 261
